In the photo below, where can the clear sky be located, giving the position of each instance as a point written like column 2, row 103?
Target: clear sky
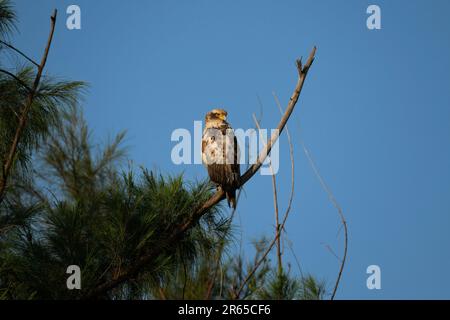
column 374, row 113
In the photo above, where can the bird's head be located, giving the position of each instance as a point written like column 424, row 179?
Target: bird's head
column 216, row 114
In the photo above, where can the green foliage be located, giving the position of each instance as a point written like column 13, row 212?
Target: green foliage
column 281, row 286
column 52, row 98
column 198, row 281
column 7, row 18
column 207, row 279
column 104, row 221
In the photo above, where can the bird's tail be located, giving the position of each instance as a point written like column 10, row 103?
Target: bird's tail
column 231, row 198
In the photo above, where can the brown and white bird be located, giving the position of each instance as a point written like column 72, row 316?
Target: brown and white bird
column 220, row 153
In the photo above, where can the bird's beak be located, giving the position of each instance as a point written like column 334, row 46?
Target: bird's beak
column 223, row 117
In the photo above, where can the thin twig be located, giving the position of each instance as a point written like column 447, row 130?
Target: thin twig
column 162, row 294
column 297, row 261
column 303, row 71
column 275, row 204
column 20, row 81
column 341, row 215
column 19, row 52
column 185, row 279
column 328, row 247
column 291, row 154
column 274, row 188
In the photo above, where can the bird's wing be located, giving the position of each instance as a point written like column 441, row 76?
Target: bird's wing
column 232, row 156
column 211, row 143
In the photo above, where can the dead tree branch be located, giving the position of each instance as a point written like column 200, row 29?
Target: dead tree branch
column 275, row 206
column 291, row 154
column 341, row 216
column 19, row 52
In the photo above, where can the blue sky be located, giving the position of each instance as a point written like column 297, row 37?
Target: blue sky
column 374, row 113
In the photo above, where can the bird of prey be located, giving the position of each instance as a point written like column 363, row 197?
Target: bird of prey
column 220, row 153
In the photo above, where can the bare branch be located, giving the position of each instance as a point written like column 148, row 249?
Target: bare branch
column 19, row 52
column 341, row 216
column 292, row 102
column 275, row 205
column 297, row 261
column 291, row 154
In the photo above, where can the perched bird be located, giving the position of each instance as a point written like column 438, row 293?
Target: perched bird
column 220, row 153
